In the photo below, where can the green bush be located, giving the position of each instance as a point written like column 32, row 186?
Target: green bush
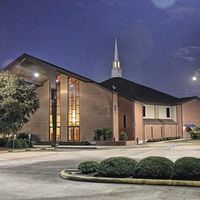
column 103, row 133
column 3, row 141
column 117, row 167
column 24, row 143
column 107, row 134
column 19, row 143
column 25, row 135
column 97, row 134
column 154, row 167
column 195, row 133
column 163, row 139
column 88, row 167
column 123, row 136
column 187, row 168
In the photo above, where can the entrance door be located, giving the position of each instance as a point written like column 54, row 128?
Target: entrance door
column 74, row 133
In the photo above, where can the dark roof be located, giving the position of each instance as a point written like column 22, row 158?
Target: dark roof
column 185, row 99
column 124, row 87
column 138, row 92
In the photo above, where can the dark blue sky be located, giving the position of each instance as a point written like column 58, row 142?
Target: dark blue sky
column 159, row 40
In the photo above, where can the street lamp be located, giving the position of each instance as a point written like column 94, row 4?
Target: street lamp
column 196, row 75
column 194, row 78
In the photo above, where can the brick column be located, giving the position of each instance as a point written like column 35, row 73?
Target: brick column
column 115, row 116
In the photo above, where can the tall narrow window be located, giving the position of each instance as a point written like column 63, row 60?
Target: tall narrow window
column 151, row 131
column 168, row 112
column 73, row 110
column 124, row 118
column 144, row 111
column 58, row 112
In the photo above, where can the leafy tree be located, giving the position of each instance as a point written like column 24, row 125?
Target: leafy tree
column 18, row 101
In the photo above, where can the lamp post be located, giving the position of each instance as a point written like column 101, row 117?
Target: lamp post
column 196, row 75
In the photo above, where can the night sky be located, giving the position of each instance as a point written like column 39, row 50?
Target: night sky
column 159, row 40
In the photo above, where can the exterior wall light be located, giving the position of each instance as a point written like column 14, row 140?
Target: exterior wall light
column 36, row 74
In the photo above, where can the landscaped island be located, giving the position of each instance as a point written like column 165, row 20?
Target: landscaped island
column 150, row 170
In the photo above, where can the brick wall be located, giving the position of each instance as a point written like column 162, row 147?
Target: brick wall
column 95, row 109
column 191, row 113
column 39, row 122
column 126, row 108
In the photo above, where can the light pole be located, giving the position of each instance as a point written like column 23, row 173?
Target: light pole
column 196, row 75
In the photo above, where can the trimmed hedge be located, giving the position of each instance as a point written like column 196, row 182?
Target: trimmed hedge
column 117, row 167
column 88, row 167
column 187, row 168
column 163, row 139
column 154, row 167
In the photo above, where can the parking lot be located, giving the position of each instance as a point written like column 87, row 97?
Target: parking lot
column 34, row 175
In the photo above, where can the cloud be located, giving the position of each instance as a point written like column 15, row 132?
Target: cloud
column 163, row 4
column 118, row 3
column 180, row 12
column 187, row 53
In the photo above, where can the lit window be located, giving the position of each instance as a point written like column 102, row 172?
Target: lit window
column 73, row 110
column 58, row 112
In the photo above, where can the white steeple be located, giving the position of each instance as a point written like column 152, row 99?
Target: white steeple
column 116, row 69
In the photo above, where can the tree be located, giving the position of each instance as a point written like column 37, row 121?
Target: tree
column 18, row 101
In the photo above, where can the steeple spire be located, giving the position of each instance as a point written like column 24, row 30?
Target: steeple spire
column 116, row 69
column 116, row 55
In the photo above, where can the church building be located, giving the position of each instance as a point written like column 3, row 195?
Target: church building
column 73, row 106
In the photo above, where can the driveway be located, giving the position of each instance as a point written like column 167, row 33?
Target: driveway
column 34, row 175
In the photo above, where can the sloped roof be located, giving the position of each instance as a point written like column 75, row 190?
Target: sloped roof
column 138, row 92
column 27, row 57
column 124, row 87
column 186, row 99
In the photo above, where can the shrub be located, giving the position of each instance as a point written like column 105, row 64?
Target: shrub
column 104, row 133
column 88, row 167
column 19, row 143
column 154, row 167
column 3, row 141
column 24, row 144
column 163, row 139
column 97, row 134
column 123, row 136
column 195, row 133
column 187, row 168
column 24, row 135
column 107, row 134
column 117, row 167
column 28, row 143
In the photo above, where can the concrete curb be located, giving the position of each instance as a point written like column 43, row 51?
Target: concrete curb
column 73, row 174
column 24, row 150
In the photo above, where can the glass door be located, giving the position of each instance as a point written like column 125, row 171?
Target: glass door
column 74, row 134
